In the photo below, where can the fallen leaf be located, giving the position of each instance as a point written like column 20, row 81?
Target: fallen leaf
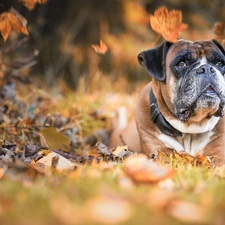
column 68, row 214
column 108, row 210
column 187, row 212
column 144, row 171
column 102, row 149
column 120, row 148
column 122, row 151
column 125, row 182
column 159, row 199
column 219, row 171
column 30, row 4
column 167, row 23
column 12, row 20
column 61, row 164
column 54, row 139
column 101, row 49
column 185, row 159
column 2, row 171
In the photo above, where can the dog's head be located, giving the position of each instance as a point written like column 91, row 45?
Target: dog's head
column 191, row 76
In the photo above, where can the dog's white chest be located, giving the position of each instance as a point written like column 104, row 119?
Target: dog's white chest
column 190, row 143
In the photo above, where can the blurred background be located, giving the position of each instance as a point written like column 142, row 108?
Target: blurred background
column 64, row 30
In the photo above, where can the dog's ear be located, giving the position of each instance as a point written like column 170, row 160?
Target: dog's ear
column 154, row 60
column 219, row 46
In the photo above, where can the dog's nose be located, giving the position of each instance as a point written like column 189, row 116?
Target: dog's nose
column 205, row 69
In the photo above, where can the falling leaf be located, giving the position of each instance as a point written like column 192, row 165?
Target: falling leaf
column 219, row 31
column 142, row 170
column 12, row 20
column 101, row 49
column 167, row 23
column 18, row 16
column 54, row 139
column 30, row 4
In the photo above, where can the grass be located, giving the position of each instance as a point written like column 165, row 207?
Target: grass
column 103, row 193
column 44, row 199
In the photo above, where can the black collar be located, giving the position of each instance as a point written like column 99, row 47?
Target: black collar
column 159, row 119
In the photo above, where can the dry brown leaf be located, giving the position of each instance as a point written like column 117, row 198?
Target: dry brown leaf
column 186, row 159
column 69, row 214
column 12, row 20
column 108, row 210
column 54, row 139
column 122, row 151
column 101, row 49
column 187, row 212
column 219, row 171
column 2, row 171
column 62, row 163
column 119, row 149
column 167, row 23
column 159, row 199
column 30, row 4
column 219, row 31
column 144, row 171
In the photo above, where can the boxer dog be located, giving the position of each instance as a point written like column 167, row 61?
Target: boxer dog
column 182, row 108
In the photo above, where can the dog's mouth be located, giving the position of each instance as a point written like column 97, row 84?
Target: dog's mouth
column 210, row 97
column 209, row 92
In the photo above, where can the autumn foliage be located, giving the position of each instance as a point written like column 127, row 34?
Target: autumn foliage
column 167, row 23
column 219, row 30
column 54, row 163
column 101, row 49
column 30, row 4
column 13, row 20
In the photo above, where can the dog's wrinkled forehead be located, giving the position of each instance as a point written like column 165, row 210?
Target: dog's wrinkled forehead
column 197, row 49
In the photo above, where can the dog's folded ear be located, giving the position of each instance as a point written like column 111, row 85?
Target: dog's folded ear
column 219, row 46
column 154, row 60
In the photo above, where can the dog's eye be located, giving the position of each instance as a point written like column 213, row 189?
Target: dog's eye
column 220, row 64
column 181, row 64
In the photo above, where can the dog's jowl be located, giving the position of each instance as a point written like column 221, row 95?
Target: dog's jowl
column 182, row 107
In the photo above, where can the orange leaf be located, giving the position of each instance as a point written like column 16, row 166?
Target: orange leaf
column 108, row 210
column 30, row 4
column 196, row 213
column 5, row 26
column 101, row 49
column 144, row 171
column 167, row 23
column 12, row 20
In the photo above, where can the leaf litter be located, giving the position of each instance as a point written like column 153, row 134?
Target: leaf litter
column 28, row 154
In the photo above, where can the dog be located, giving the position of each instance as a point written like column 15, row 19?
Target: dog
column 182, row 108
